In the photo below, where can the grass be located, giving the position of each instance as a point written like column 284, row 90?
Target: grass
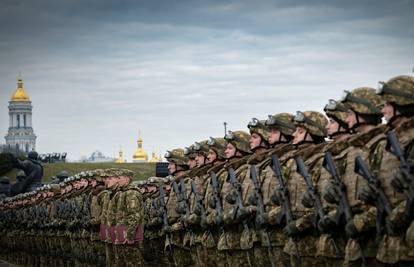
column 142, row 170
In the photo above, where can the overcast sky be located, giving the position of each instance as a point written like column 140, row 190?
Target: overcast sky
column 99, row 71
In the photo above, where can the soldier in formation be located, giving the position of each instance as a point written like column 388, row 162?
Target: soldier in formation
column 304, row 189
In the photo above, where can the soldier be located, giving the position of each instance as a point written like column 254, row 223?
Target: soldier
column 363, row 118
column 33, row 170
column 177, row 167
column 62, row 175
column 398, row 111
column 4, row 187
column 308, row 139
column 281, row 128
column 237, row 152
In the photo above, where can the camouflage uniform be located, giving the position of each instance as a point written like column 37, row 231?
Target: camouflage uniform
column 398, row 92
column 302, row 226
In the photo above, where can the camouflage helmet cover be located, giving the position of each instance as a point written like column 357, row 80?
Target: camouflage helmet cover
column 201, row 147
column 363, row 100
column 218, row 145
column 398, row 90
column 282, row 122
column 176, row 156
column 337, row 111
column 259, row 127
column 189, row 152
column 240, row 140
column 313, row 121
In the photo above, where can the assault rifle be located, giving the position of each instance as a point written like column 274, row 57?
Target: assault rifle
column 394, row 147
column 216, row 199
column 166, row 226
column 286, row 214
column 240, row 209
column 199, row 210
column 381, row 201
column 344, row 206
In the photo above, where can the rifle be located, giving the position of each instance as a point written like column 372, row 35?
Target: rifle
column 261, row 214
column 239, row 202
column 381, row 202
column 285, row 202
column 344, row 206
column 184, row 198
column 216, row 199
column 165, row 216
column 199, row 203
column 394, row 147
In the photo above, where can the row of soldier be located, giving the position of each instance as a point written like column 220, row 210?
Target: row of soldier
column 279, row 195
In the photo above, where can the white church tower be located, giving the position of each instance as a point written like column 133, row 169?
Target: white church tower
column 20, row 135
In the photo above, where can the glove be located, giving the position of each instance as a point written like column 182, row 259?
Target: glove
column 231, row 197
column 331, row 194
column 366, row 195
column 212, row 203
column 242, row 213
column 291, row 229
column 326, row 224
column 307, row 200
column 351, row 230
column 399, row 180
column 277, row 196
column 252, row 200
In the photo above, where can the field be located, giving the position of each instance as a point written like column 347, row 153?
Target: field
column 142, row 170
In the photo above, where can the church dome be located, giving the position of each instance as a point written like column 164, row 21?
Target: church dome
column 20, row 94
column 140, row 155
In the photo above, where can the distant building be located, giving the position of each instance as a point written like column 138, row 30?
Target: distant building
column 20, row 136
column 121, row 158
column 154, row 158
column 140, row 155
column 98, row 157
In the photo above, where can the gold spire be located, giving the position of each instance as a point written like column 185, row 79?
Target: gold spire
column 154, row 158
column 120, row 158
column 20, row 94
column 140, row 155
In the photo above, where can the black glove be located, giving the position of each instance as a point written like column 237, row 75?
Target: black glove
column 326, row 224
column 351, row 230
column 277, row 196
column 367, row 195
column 252, row 200
column 291, row 229
column 331, row 194
column 212, row 203
column 242, row 214
column 198, row 209
column 307, row 200
column 399, row 180
column 231, row 197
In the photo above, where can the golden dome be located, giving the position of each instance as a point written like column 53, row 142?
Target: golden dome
column 140, row 155
column 20, row 94
column 154, row 158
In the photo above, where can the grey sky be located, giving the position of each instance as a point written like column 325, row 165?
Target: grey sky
column 98, row 71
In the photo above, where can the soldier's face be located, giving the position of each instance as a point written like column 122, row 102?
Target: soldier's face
column 200, row 159
column 299, row 135
column 255, row 141
column 230, row 151
column 332, row 127
column 111, row 182
column 123, row 181
column 388, row 112
column 212, row 156
column 192, row 163
column 351, row 118
column 93, row 183
column 274, row 136
column 172, row 168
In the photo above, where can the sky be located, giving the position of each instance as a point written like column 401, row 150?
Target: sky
column 99, row 72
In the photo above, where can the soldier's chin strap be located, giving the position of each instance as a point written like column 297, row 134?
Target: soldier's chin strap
column 304, row 141
column 339, row 132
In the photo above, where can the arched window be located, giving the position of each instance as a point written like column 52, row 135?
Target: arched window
column 27, row 148
column 24, row 120
column 18, row 120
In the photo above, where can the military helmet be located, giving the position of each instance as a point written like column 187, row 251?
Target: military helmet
column 240, row 140
column 337, row 111
column 189, row 152
column 259, row 127
column 363, row 101
column 218, row 145
column 398, row 90
column 282, row 122
column 313, row 121
column 176, row 156
column 201, row 147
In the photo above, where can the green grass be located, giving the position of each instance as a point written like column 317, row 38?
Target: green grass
column 142, row 170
